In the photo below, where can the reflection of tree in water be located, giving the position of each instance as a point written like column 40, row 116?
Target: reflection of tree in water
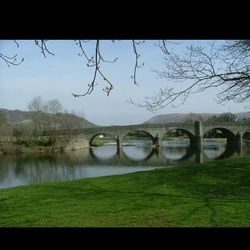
column 27, row 169
column 40, row 169
column 5, row 165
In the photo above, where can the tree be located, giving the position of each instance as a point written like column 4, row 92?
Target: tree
column 11, row 60
column 3, row 122
column 225, row 117
column 36, row 106
column 43, row 113
column 3, row 119
column 226, row 67
column 191, row 117
column 54, row 106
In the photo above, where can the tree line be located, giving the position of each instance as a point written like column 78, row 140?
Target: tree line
column 43, row 116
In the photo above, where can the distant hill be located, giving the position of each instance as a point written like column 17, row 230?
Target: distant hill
column 180, row 117
column 243, row 115
column 24, row 117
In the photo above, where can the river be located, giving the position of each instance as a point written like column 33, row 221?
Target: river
column 17, row 170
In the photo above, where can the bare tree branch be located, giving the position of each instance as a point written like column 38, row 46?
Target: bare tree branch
column 136, row 62
column 11, row 60
column 17, row 44
column 42, row 45
column 227, row 67
column 79, row 43
column 163, row 46
column 95, row 61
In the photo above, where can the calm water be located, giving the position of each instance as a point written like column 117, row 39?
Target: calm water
column 103, row 161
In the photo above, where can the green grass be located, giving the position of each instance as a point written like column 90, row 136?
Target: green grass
column 207, row 195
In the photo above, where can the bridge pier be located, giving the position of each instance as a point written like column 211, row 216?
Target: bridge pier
column 156, row 141
column 118, row 145
column 239, row 142
column 198, row 141
column 120, row 153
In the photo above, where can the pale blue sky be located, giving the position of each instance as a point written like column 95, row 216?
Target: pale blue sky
column 56, row 77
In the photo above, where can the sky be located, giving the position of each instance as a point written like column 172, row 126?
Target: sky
column 56, row 77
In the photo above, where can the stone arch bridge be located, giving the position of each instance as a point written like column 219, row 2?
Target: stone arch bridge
column 195, row 132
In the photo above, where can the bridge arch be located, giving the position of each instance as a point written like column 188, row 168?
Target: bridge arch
column 230, row 147
column 246, row 136
column 101, row 134
column 183, row 131
column 228, row 134
column 139, row 131
column 145, row 150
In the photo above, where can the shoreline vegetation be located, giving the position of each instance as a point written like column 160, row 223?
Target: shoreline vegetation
column 212, row 194
column 39, row 144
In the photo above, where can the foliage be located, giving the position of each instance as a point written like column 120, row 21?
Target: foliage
column 48, row 116
column 97, row 142
column 41, row 141
column 2, row 118
column 214, row 133
column 191, row 118
column 223, row 118
column 16, row 133
column 137, row 135
column 4, row 128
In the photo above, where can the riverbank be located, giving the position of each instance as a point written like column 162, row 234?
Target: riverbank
column 41, row 144
column 213, row 194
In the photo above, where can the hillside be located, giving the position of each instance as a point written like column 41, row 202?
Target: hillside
column 24, row 117
column 180, row 117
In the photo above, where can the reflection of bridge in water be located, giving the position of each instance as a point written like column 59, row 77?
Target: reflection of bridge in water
column 160, row 155
column 195, row 132
column 107, row 160
column 233, row 133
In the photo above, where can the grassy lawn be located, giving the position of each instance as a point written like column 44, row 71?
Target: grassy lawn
column 206, row 195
